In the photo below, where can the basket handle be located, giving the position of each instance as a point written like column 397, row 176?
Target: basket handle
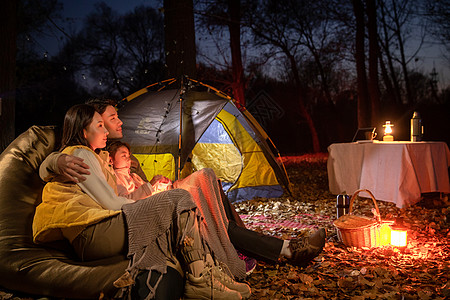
column 373, row 198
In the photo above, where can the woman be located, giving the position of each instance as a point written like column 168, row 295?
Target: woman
column 99, row 224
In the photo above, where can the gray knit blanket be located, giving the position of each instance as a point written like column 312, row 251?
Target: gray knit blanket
column 149, row 223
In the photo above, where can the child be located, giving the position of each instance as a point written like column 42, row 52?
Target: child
column 131, row 185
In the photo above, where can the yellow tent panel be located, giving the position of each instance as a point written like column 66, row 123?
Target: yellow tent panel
column 157, row 164
column 224, row 159
column 228, row 161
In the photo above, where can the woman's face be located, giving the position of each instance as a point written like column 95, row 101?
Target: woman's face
column 122, row 158
column 96, row 133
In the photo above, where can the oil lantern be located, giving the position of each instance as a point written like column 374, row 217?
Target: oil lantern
column 388, row 137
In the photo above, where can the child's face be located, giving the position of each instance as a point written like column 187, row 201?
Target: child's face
column 122, row 158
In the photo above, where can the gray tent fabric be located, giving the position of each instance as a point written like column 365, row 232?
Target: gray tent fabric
column 155, row 128
column 173, row 118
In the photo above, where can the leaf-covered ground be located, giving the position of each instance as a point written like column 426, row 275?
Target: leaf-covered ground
column 421, row 271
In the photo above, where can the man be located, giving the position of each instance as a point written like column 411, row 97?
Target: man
column 297, row 251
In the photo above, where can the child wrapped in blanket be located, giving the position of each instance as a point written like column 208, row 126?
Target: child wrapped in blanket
column 131, row 185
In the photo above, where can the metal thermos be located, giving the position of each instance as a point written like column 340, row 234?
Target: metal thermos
column 342, row 205
column 416, row 127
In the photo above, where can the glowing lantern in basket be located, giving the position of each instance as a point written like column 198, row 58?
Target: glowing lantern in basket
column 399, row 237
column 385, row 233
column 399, row 234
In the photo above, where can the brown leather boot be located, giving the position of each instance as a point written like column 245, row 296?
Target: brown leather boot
column 304, row 249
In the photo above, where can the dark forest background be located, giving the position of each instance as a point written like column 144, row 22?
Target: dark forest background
column 310, row 71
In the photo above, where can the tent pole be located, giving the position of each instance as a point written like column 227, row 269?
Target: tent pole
column 179, row 138
column 182, row 91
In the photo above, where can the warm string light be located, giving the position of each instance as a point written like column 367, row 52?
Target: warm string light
column 45, row 55
column 159, row 131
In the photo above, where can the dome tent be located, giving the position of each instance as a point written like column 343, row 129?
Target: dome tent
column 176, row 127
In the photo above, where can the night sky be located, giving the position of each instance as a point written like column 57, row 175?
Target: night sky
column 77, row 10
column 429, row 57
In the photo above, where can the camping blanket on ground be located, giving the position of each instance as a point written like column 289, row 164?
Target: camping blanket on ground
column 273, row 221
column 204, row 188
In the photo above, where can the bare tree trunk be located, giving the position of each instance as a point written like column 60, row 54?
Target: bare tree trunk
column 396, row 86
column 179, row 38
column 373, row 60
column 360, row 57
column 390, row 93
column 8, row 33
column 303, row 110
column 323, row 77
column 280, row 43
column 234, row 26
column 402, row 54
column 394, row 78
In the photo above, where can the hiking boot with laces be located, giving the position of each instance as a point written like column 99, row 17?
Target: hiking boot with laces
column 304, row 249
column 208, row 287
column 220, row 274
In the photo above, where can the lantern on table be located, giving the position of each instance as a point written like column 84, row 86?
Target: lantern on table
column 388, row 137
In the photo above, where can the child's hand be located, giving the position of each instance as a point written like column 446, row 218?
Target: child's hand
column 160, row 178
column 161, row 183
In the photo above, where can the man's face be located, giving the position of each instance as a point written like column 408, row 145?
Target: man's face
column 112, row 123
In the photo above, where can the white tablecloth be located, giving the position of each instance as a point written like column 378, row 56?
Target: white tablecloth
column 398, row 172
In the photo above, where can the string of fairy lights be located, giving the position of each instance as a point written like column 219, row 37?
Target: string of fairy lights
column 45, row 55
column 84, row 76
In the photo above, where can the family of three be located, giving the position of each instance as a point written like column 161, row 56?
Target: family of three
column 105, row 207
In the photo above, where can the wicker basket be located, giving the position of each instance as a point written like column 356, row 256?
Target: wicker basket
column 358, row 231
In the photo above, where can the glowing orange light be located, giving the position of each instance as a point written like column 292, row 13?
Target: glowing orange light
column 388, row 131
column 399, row 237
column 385, row 235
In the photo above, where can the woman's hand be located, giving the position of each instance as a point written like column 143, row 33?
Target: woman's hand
column 72, row 168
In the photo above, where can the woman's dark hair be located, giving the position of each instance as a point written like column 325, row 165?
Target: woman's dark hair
column 114, row 146
column 77, row 118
